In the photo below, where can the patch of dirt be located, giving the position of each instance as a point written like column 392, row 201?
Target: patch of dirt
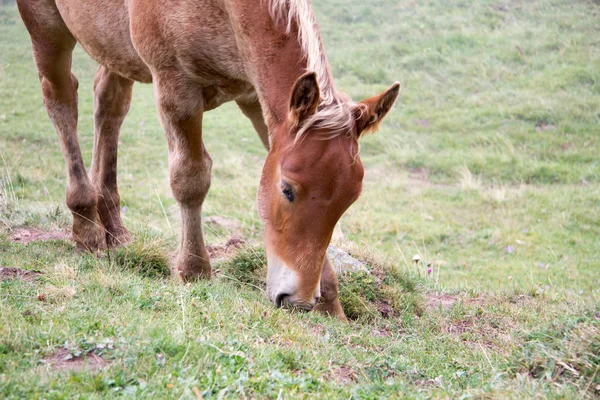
column 429, row 382
column 7, row 273
column 419, row 175
column 477, row 329
column 227, row 250
column 317, row 330
column 235, row 242
column 64, row 361
column 522, row 299
column 31, row 316
column 445, row 301
column 344, row 374
column 381, row 333
column 567, row 146
column 28, row 235
column 384, row 308
column 459, row 327
column 501, row 8
column 281, row 342
column 484, row 331
column 544, row 126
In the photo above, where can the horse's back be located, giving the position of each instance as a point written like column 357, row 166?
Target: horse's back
column 138, row 39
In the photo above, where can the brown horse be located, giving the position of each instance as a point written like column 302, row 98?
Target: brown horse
column 268, row 57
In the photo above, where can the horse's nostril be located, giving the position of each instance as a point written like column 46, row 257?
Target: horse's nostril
column 280, row 299
column 284, row 300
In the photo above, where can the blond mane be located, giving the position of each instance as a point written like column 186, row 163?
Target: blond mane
column 335, row 111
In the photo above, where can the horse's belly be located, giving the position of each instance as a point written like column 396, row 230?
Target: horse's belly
column 102, row 28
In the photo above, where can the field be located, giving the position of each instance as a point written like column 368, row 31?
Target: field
column 488, row 167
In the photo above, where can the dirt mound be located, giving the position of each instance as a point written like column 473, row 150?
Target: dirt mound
column 226, row 251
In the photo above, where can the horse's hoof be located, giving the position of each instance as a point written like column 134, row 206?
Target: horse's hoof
column 119, row 237
column 92, row 240
column 189, row 268
column 186, row 276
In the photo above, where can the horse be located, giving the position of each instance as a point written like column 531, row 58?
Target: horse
column 268, row 57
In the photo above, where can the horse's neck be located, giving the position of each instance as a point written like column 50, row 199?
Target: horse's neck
column 274, row 59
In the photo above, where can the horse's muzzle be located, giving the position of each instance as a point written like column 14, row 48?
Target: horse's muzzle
column 284, row 300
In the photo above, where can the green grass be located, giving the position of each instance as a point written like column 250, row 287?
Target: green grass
column 487, row 167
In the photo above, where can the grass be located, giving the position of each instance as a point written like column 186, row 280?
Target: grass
column 487, row 168
column 147, row 256
column 249, row 266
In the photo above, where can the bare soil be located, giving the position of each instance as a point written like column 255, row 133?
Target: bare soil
column 446, row 301
column 227, row 250
column 62, row 361
column 28, row 235
column 7, row 273
column 344, row 374
column 384, row 308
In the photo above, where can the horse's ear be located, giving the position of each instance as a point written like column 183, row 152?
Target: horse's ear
column 305, row 98
column 371, row 111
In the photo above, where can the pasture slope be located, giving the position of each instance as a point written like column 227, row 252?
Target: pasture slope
column 488, row 168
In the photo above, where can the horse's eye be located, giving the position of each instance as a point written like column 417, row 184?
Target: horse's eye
column 288, row 192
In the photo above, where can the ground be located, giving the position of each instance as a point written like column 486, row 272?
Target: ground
column 487, row 168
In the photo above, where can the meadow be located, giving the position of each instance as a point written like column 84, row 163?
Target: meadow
column 487, row 167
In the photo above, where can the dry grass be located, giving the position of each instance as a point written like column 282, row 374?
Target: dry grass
column 468, row 180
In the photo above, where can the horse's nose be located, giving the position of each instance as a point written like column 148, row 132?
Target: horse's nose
column 282, row 300
column 285, row 300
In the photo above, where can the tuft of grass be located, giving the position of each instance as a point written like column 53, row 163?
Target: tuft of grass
column 358, row 292
column 249, row 266
column 467, row 180
column 55, row 293
column 386, row 291
column 4, row 242
column 146, row 256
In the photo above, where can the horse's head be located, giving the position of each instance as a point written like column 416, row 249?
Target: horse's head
column 312, row 174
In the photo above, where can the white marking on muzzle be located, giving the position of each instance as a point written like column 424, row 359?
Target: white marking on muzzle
column 280, row 279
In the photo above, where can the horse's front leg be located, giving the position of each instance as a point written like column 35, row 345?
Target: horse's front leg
column 329, row 303
column 253, row 111
column 180, row 106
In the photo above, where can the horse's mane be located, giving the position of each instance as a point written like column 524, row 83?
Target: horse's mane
column 335, row 111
